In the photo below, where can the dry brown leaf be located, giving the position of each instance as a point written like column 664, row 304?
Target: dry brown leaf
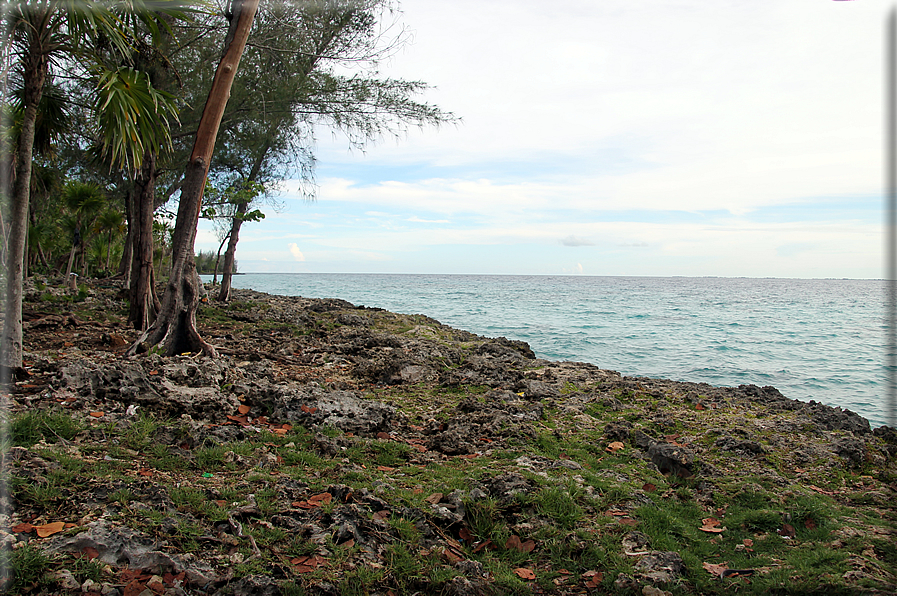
column 98, row 414
column 134, row 588
column 715, row 569
column 321, row 498
column 748, row 542
column 450, row 555
column 614, row 447
column 515, row 543
column 787, row 530
column 524, row 573
column 49, row 529
column 434, row 498
column 384, row 469
column 592, row 578
column 648, row 487
column 22, row 528
column 243, row 410
column 711, row 524
column 482, row 546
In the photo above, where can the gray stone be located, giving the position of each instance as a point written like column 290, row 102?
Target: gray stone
column 660, row 567
column 672, row 459
column 120, row 546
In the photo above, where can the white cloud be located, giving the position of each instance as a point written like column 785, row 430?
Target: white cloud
column 297, row 254
column 619, row 114
column 572, row 240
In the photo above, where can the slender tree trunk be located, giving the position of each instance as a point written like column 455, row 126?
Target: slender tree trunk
column 108, row 249
column 143, row 307
column 237, row 223
column 124, row 266
column 218, row 259
column 34, row 74
column 227, row 274
column 175, row 327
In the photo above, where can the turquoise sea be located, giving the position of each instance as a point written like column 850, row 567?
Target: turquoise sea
column 809, row 338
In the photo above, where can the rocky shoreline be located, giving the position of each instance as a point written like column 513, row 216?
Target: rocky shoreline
column 339, row 449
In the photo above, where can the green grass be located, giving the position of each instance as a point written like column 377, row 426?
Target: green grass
column 29, row 567
column 27, row 428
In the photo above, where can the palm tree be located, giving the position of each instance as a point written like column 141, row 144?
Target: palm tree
column 39, row 35
column 84, row 200
column 112, row 223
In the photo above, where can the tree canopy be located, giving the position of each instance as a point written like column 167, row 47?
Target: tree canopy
column 112, row 94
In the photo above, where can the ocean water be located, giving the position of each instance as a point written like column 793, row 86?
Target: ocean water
column 811, row 339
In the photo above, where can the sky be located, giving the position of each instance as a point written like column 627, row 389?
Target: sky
column 620, row 137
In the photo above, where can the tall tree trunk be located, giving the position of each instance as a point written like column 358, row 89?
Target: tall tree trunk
column 34, row 74
column 175, row 327
column 237, row 222
column 108, row 250
column 218, row 259
column 143, row 305
column 227, row 274
column 124, row 266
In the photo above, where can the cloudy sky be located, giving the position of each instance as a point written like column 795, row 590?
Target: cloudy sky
column 620, row 137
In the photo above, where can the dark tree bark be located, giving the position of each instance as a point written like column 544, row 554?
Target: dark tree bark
column 144, row 303
column 175, row 326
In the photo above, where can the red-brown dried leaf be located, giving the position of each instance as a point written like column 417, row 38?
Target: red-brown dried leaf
column 524, row 573
column 434, row 498
column 22, row 528
column 383, row 435
column 787, row 530
column 49, row 529
column 648, row 487
column 324, row 498
column 134, row 588
column 715, row 569
column 465, row 534
column 711, row 525
column 482, row 546
column 614, row 447
column 243, row 410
